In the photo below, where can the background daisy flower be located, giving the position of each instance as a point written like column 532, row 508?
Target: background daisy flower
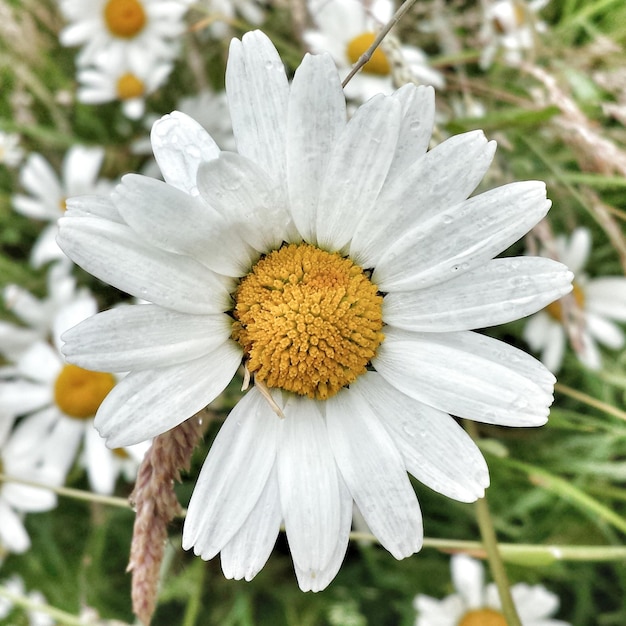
column 47, row 193
column 129, row 83
column 474, row 604
column 510, row 26
column 56, row 402
column 123, row 31
column 600, row 302
column 346, row 29
column 307, row 257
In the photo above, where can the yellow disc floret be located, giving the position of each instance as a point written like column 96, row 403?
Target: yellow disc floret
column 482, row 617
column 79, row 393
column 124, row 18
column 309, row 321
column 555, row 310
column 129, row 86
column 378, row 64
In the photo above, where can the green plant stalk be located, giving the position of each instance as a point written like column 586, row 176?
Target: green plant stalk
column 490, row 541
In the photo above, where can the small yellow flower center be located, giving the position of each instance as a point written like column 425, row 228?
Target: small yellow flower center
column 79, row 393
column 120, row 453
column 309, row 321
column 129, row 86
column 124, row 18
column 378, row 64
column 63, row 204
column 555, row 310
column 482, row 617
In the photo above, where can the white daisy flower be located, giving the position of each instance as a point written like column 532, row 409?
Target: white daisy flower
column 475, row 604
column 61, row 400
column 346, row 29
column 601, row 302
column 130, row 83
column 11, row 153
column 510, row 26
column 16, row 499
column 344, row 265
column 123, row 31
column 47, row 193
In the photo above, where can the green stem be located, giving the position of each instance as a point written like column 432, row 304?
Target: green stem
column 490, row 541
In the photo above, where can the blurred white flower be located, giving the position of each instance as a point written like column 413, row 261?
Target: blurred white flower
column 10, row 151
column 47, row 194
column 60, row 401
column 600, row 302
column 346, row 29
column 129, row 82
column 474, row 604
column 117, row 32
column 15, row 585
column 510, row 26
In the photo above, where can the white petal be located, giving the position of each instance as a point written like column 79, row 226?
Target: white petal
column 575, row 252
column 247, row 201
column 258, row 92
column 501, row 291
column 148, row 402
column 605, row 332
column 180, row 223
column 100, row 462
column 442, row 178
column 553, row 350
column 316, row 116
column 589, row 355
column 435, row 449
column 20, row 397
column 92, row 206
column 143, row 336
column 319, row 580
column 71, row 314
column 468, row 375
column 46, row 248
column 247, row 552
column 607, row 297
column 462, row 238
column 357, row 170
column 13, row 535
column 107, row 250
column 40, row 363
column 468, row 576
column 418, row 118
column 309, row 488
column 374, row 472
column 233, row 476
column 180, row 145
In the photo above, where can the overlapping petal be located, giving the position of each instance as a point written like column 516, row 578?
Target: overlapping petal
column 468, row 375
column 141, row 337
column 233, row 476
column 146, row 403
column 500, row 291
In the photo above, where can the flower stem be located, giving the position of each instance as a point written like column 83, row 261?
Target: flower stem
column 490, row 541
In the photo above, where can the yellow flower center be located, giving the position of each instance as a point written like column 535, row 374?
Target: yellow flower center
column 482, row 617
column 129, row 86
column 378, row 64
column 124, row 18
column 79, row 393
column 555, row 310
column 309, row 321
column 120, row 453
